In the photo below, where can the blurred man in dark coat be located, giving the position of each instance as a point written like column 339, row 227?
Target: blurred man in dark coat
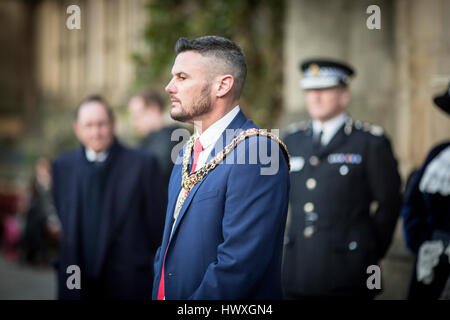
column 426, row 219
column 146, row 110
column 109, row 201
column 339, row 168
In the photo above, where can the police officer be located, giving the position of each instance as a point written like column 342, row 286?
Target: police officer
column 341, row 170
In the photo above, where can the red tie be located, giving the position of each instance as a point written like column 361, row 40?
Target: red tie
column 197, row 149
column 161, row 293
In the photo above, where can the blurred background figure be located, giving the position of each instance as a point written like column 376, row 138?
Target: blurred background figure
column 11, row 237
column 111, row 207
column 42, row 227
column 147, row 117
column 339, row 167
column 13, row 206
column 426, row 214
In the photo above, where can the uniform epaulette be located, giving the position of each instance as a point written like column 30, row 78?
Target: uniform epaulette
column 296, row 127
column 368, row 127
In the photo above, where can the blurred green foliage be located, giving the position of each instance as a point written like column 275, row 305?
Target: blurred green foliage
column 256, row 25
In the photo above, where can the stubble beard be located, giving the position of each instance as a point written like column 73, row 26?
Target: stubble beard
column 199, row 108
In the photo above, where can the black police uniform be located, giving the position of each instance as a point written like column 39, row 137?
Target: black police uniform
column 332, row 238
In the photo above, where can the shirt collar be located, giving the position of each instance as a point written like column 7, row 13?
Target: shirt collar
column 93, row 156
column 330, row 127
column 212, row 134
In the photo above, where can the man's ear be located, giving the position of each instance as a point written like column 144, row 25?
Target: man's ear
column 345, row 97
column 224, row 85
column 75, row 128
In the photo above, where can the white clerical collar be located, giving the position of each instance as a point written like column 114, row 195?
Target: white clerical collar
column 329, row 128
column 93, row 156
column 213, row 133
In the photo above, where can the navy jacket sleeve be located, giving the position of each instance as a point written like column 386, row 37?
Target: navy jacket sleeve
column 253, row 228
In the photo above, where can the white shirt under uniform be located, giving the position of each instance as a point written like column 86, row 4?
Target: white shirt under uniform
column 328, row 128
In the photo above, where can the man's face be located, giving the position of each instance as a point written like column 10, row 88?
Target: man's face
column 189, row 88
column 325, row 104
column 93, row 127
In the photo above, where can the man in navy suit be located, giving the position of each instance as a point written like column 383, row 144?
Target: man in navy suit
column 109, row 201
column 226, row 217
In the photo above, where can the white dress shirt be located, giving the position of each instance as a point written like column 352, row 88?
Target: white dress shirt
column 208, row 139
column 93, row 156
column 329, row 128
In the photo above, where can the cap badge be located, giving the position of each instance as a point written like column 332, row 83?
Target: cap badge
column 314, row 69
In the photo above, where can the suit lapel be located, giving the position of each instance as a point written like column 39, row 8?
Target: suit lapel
column 174, row 191
column 185, row 206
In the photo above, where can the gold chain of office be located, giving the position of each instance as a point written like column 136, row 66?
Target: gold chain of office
column 189, row 180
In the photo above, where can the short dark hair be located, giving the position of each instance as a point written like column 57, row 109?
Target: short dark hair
column 152, row 97
column 223, row 49
column 96, row 98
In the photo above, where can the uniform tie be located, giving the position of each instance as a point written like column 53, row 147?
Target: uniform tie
column 197, row 149
column 317, row 140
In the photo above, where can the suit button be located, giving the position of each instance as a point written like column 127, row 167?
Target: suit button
column 352, row 245
column 171, row 274
column 314, row 161
column 311, row 183
column 308, row 232
column 308, row 207
column 311, row 217
column 343, row 170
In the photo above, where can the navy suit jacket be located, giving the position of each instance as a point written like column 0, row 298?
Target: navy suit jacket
column 227, row 241
column 131, row 225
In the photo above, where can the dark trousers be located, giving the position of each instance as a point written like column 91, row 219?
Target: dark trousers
column 91, row 288
column 432, row 291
